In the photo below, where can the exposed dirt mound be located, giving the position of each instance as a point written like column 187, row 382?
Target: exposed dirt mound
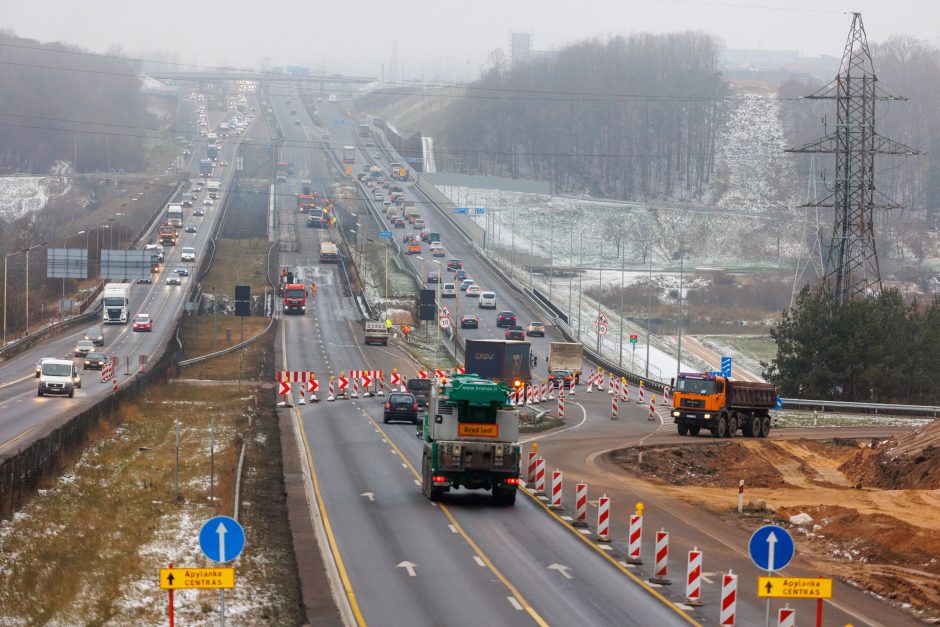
column 718, row 465
column 910, row 462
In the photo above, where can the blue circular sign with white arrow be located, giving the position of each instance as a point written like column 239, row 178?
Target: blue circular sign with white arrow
column 222, row 539
column 771, row 548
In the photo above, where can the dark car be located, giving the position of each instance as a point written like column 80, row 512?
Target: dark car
column 434, row 277
column 198, row 212
column 401, row 406
column 557, row 378
column 454, row 265
column 425, row 236
column 515, row 333
column 190, row 228
column 94, row 361
column 399, row 223
column 95, row 335
column 421, row 388
column 506, row 319
column 182, row 271
column 470, row 321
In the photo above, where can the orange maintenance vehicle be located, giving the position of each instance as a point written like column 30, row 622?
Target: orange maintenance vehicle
column 722, row 405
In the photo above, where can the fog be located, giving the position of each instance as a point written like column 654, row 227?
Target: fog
column 426, row 39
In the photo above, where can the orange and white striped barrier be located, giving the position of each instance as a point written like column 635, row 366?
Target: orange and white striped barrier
column 729, row 599
column 600, row 380
column 624, row 389
column 557, row 479
column 635, row 539
column 571, row 387
column 693, row 578
column 786, row 616
column 642, row 391
column 343, row 384
column 107, row 371
column 666, row 395
column 532, row 465
column 652, row 415
column 544, row 392
column 561, row 404
column 603, row 519
column 540, row 476
column 551, row 390
column 590, row 383
column 661, row 559
column 331, row 397
column 613, row 406
column 612, row 388
column 580, row 505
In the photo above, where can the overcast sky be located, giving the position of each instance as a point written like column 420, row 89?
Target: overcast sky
column 434, row 36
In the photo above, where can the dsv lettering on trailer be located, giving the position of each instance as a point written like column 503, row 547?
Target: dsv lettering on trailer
column 485, row 356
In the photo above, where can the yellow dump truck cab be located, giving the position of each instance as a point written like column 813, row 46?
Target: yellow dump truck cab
column 722, row 405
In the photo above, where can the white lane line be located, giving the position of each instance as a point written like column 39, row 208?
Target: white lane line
column 479, row 561
column 514, row 603
column 452, row 528
column 404, row 465
column 417, row 482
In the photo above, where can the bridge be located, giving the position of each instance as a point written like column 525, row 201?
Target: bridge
column 245, row 75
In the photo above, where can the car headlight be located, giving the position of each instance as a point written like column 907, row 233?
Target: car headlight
column 706, row 416
column 675, row 414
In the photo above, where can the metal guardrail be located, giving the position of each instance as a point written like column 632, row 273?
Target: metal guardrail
column 873, row 407
column 234, row 347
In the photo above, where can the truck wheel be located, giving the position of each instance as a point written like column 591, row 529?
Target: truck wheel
column 765, row 426
column 504, row 497
column 722, row 428
column 732, row 427
column 682, row 428
column 694, row 430
column 39, row 392
column 436, row 494
column 752, row 427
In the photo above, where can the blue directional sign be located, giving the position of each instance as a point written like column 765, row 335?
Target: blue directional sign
column 771, row 548
column 714, row 373
column 222, row 539
column 461, row 210
column 479, row 210
column 779, row 404
column 339, row 121
column 386, row 233
column 726, row 367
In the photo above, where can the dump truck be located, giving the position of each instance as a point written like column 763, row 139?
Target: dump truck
column 349, row 154
column 376, row 333
column 722, row 405
column 565, row 356
column 470, row 435
column 306, row 202
column 499, row 360
column 167, row 235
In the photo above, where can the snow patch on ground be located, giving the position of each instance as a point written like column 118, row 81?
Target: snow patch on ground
column 23, row 195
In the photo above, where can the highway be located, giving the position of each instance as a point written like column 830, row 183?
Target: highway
column 25, row 416
column 381, row 523
column 473, row 563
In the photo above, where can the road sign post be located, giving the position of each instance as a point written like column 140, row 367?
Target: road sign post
column 770, row 548
column 222, row 540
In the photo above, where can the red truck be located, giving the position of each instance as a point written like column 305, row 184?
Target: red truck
column 295, row 298
column 306, row 202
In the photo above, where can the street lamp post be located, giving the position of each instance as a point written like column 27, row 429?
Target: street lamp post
column 649, row 312
column 679, row 351
column 623, row 255
column 5, row 261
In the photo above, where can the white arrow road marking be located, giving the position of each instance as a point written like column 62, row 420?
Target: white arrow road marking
column 409, row 566
column 707, row 577
column 368, row 495
column 515, row 603
column 560, row 568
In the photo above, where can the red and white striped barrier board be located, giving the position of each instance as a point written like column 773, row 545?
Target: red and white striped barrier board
column 440, row 374
column 543, row 396
column 331, row 397
column 313, row 386
column 343, row 383
column 635, row 540
column 661, row 558
column 580, row 505
column 114, row 385
column 557, row 480
column 292, row 376
column 666, row 396
column 729, row 599
column 561, row 404
column 284, row 389
column 533, row 463
column 571, row 388
column 612, row 388
column 600, row 380
column 642, row 391
column 652, row 415
column 624, row 390
column 693, row 578
column 590, row 383
column 107, row 371
column 786, row 617
column 613, row 406
column 422, row 374
column 396, row 378
column 461, row 370
column 603, row 519
column 540, row 476
column 551, row 391
column 355, row 386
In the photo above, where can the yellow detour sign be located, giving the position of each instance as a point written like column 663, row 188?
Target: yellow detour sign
column 348, row 170
column 181, row 578
column 794, row 587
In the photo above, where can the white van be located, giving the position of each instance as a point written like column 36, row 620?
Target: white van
column 488, row 300
column 188, row 254
column 449, row 290
column 59, row 376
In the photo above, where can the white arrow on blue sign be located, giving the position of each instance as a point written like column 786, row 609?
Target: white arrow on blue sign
column 222, row 539
column 779, row 404
column 771, row 548
column 726, row 367
column 479, row 210
column 461, row 210
column 386, row 233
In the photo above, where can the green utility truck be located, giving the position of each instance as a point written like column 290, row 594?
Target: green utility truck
column 471, row 438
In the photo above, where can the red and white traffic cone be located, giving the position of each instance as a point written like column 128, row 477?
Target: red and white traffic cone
column 693, row 578
column 561, row 405
column 729, row 599
column 613, row 408
column 533, row 463
column 571, row 388
column 635, row 540
column 540, row 477
column 580, row 504
column 786, row 616
column 557, row 480
column 642, row 391
column 603, row 519
column 590, row 383
column 331, row 397
column 661, row 556
column 652, row 415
